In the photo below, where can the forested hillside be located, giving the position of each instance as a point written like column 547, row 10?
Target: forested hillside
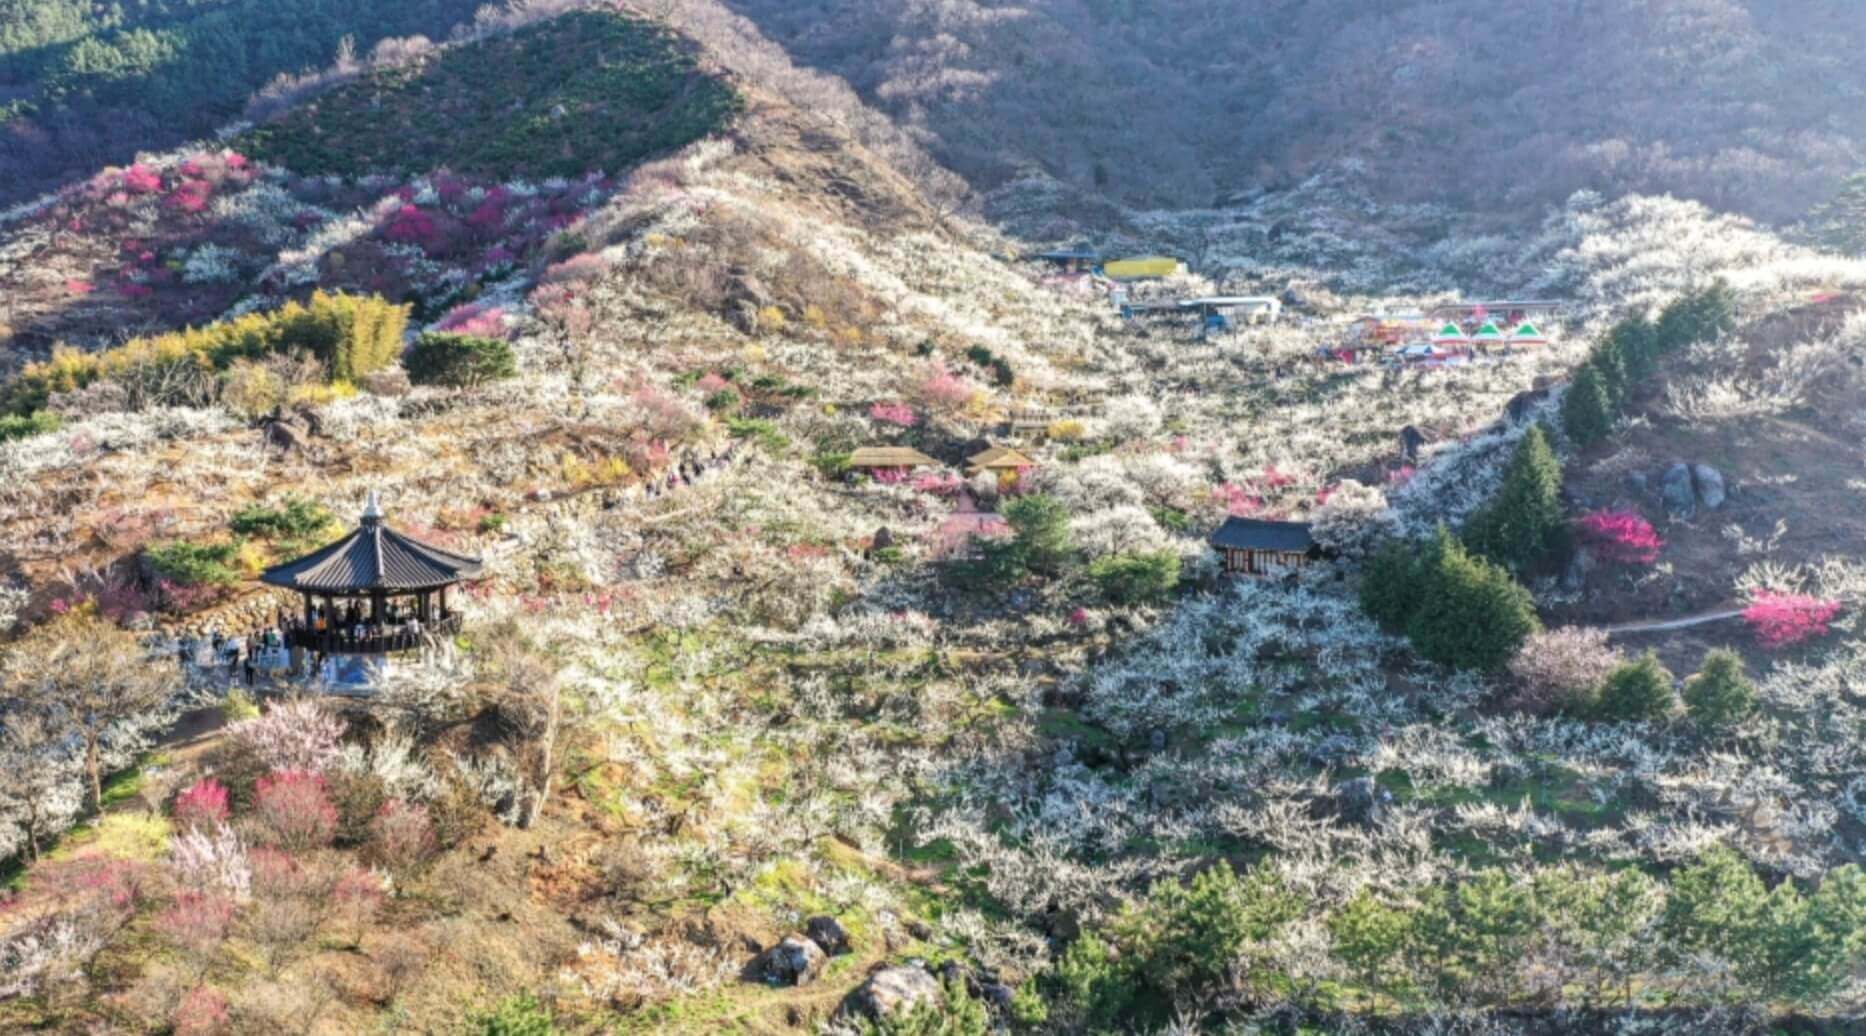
column 1739, row 103
column 769, row 600
column 86, row 84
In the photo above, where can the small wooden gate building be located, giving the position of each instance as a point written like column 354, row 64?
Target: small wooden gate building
column 1254, row 547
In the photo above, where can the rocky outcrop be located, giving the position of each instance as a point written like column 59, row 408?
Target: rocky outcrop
column 795, row 961
column 1687, row 488
column 828, row 934
column 892, row 991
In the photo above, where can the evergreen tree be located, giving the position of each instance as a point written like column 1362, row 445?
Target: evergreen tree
column 1705, row 315
column 1637, row 690
column 1713, row 908
column 1390, row 582
column 1610, row 361
column 1522, row 523
column 1721, row 695
column 1369, row 938
column 1636, row 338
column 1587, row 413
column 1470, row 613
column 1040, row 527
column 459, row 360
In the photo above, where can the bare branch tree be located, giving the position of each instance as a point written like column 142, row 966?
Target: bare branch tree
column 93, row 679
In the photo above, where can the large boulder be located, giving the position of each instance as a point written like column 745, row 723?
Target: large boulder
column 1710, row 486
column 828, row 934
column 795, row 961
column 892, row 991
column 1676, row 489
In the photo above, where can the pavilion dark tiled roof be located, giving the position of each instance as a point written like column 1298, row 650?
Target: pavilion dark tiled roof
column 1258, row 534
column 373, row 557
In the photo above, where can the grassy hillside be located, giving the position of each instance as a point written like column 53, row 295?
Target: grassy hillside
column 588, row 91
column 83, row 85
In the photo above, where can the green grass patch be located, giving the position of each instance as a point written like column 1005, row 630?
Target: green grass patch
column 1066, row 725
column 583, row 92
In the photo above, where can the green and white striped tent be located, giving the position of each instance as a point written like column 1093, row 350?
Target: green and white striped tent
column 1489, row 334
column 1528, row 335
column 1451, row 334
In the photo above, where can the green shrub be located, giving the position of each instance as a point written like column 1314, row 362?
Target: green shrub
column 1587, row 413
column 520, row 1015
column 832, row 464
column 725, row 400
column 459, row 360
column 296, row 519
column 1136, row 578
column 1636, row 691
column 764, row 432
column 1470, row 614
column 1721, row 695
column 194, row 564
column 1522, row 524
column 22, row 426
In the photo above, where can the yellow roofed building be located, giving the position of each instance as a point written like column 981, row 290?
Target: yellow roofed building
column 1147, row 267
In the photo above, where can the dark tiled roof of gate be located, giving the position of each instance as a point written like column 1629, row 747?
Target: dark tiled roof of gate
column 1256, row 534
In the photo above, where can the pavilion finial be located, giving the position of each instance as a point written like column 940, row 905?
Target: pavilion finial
column 372, row 509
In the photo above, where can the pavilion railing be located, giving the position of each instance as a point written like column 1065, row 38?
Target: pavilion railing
column 381, row 642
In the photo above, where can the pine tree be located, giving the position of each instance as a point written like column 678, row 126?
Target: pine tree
column 1522, row 523
column 1608, row 359
column 1390, row 581
column 1721, row 695
column 1637, row 690
column 1713, row 906
column 1470, row 613
column 1637, row 341
column 1040, row 528
column 1369, row 938
column 1587, row 413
